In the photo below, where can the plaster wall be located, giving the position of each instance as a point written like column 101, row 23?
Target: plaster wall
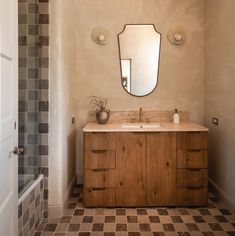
column 62, row 140
column 220, row 94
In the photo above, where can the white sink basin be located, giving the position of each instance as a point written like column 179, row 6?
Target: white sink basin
column 141, row 125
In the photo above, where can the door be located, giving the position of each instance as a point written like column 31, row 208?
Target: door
column 8, row 107
column 130, row 169
column 161, row 168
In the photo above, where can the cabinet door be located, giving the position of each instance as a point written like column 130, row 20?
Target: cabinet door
column 130, row 169
column 161, row 168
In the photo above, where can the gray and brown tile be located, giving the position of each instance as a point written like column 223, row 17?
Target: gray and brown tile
column 139, row 221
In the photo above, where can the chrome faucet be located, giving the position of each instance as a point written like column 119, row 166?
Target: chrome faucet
column 140, row 114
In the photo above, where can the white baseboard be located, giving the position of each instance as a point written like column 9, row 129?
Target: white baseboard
column 80, row 177
column 57, row 211
column 66, row 196
column 223, row 196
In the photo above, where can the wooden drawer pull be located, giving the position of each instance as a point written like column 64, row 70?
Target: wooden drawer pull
column 99, row 151
column 98, row 189
column 99, row 170
column 193, row 150
column 194, row 169
column 194, row 187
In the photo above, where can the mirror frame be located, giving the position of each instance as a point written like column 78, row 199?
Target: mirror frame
column 119, row 51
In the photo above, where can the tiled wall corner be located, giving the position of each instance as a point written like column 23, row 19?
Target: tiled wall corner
column 34, row 88
column 29, row 136
column 43, row 6
column 30, row 211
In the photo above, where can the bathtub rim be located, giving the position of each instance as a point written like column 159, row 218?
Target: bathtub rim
column 29, row 189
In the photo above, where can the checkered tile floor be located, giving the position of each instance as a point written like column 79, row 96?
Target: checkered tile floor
column 80, row 221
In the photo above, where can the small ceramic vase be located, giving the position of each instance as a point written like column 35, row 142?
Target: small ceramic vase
column 102, row 117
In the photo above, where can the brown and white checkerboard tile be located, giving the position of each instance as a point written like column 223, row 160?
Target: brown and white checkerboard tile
column 79, row 221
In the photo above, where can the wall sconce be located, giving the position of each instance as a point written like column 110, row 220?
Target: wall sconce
column 176, row 36
column 100, row 36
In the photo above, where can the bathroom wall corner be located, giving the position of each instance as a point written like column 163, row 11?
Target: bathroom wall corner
column 223, row 196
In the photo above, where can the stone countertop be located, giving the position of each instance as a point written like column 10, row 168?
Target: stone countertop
column 164, row 127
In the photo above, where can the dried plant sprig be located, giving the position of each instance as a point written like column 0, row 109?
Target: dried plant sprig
column 99, row 102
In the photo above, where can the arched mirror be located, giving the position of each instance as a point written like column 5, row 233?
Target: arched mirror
column 139, row 50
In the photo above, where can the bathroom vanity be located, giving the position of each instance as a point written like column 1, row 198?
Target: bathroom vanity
column 127, row 165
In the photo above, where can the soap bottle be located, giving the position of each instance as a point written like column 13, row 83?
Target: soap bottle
column 176, row 117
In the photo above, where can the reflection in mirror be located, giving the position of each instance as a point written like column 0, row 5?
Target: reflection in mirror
column 126, row 73
column 139, row 49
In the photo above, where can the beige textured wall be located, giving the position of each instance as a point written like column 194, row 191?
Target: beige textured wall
column 181, row 68
column 220, row 92
column 181, row 74
column 80, row 68
column 62, row 155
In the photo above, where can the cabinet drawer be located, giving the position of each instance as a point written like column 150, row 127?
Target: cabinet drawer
column 98, row 159
column 192, row 140
column 99, row 141
column 99, row 178
column 192, row 178
column 192, row 158
column 99, row 197
column 192, row 197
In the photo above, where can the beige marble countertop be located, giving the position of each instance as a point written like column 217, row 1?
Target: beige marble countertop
column 164, row 127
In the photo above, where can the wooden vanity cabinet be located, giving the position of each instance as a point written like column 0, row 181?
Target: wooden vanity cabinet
column 161, row 168
column 145, row 169
column 130, row 169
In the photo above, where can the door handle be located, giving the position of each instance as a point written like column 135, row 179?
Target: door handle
column 17, row 151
